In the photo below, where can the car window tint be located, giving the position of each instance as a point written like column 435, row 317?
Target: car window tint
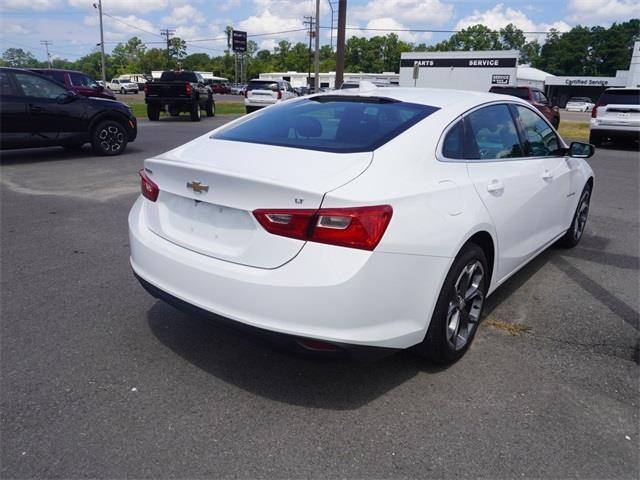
column 80, row 80
column 263, row 85
column 38, row 87
column 540, row 139
column 620, row 97
column 57, row 76
column 330, row 123
column 452, row 146
column 494, row 134
column 6, row 87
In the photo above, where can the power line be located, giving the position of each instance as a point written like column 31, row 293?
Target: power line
column 427, row 30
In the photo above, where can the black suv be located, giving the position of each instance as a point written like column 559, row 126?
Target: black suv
column 36, row 111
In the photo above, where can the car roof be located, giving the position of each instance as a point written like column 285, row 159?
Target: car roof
column 435, row 97
column 64, row 70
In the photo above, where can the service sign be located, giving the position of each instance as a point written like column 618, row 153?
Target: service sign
column 500, row 79
column 239, row 41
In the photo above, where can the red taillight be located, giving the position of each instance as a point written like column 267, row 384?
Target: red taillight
column 146, row 89
column 245, row 92
column 188, row 89
column 149, row 189
column 359, row 227
column 594, row 111
column 279, row 94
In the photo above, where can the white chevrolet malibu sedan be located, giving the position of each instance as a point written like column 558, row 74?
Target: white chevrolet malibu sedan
column 364, row 220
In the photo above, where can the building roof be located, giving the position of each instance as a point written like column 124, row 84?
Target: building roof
column 527, row 72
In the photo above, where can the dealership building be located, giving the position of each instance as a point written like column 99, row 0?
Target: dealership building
column 328, row 80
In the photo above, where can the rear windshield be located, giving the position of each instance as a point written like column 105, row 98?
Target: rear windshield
column 179, row 77
column 340, row 124
column 514, row 92
column 263, row 85
column 620, row 97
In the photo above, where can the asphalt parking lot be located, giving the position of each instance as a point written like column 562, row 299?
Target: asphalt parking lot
column 98, row 379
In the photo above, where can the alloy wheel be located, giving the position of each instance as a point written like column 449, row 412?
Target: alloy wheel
column 581, row 216
column 111, row 138
column 465, row 305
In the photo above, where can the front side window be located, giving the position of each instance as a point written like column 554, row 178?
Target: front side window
column 337, row 124
column 79, row 80
column 494, row 134
column 540, row 139
column 38, row 87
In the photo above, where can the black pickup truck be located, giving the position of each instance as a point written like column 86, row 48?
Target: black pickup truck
column 179, row 91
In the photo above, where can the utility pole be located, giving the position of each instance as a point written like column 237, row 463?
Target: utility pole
column 46, row 44
column 167, row 32
column 104, row 75
column 342, row 23
column 308, row 20
column 317, row 57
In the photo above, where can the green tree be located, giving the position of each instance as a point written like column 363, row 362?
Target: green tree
column 177, row 50
column 197, row 62
column 17, row 57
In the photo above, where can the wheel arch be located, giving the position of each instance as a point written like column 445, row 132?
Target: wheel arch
column 115, row 116
column 485, row 240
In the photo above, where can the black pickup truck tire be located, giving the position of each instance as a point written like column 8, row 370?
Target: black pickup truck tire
column 195, row 112
column 210, row 108
column 153, row 113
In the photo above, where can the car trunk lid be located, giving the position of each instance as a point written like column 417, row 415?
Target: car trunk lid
column 209, row 189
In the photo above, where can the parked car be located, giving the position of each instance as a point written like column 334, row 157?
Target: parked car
column 616, row 116
column 138, row 78
column 262, row 93
column 123, row 86
column 238, row 89
column 382, row 219
column 36, row 111
column 536, row 98
column 179, row 91
column 220, row 88
column 579, row 104
column 77, row 81
column 301, row 91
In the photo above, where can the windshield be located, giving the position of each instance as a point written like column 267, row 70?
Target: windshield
column 179, row 77
column 341, row 124
column 263, row 85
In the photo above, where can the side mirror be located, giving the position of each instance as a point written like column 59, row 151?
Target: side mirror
column 581, row 150
column 67, row 97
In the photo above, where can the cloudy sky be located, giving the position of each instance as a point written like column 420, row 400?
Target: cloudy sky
column 72, row 25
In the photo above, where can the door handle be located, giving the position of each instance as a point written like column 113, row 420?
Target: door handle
column 496, row 186
column 547, row 175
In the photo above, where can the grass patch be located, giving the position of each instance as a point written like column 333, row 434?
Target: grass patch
column 514, row 330
column 574, row 130
column 222, row 108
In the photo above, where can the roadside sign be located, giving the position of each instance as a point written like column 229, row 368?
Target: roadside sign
column 239, row 41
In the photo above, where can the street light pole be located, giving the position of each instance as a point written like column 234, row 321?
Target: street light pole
column 317, row 55
column 104, row 74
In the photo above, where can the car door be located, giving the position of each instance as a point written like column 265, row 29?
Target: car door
column 559, row 172
column 51, row 118
column 14, row 116
column 509, row 184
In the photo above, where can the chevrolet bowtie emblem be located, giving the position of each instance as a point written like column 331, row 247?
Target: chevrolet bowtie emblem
column 197, row 187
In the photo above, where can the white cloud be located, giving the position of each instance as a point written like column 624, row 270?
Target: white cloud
column 121, row 27
column 184, row 15
column 228, row 5
column 121, row 6
column 425, row 12
column 499, row 17
column 603, row 11
column 386, row 25
column 16, row 29
column 38, row 5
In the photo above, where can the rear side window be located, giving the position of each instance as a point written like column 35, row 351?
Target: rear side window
column 494, row 134
column 540, row 139
column 331, row 124
column 263, row 85
column 6, row 87
column 620, row 97
column 453, row 145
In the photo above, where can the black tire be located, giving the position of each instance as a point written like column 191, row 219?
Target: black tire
column 153, row 113
column 572, row 236
column 73, row 146
column 251, row 109
column 109, row 138
column 455, row 320
column 210, row 108
column 135, row 92
column 595, row 139
column 195, row 112
column 123, row 91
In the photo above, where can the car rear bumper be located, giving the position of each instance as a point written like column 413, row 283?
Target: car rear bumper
column 623, row 131
column 335, row 294
column 258, row 104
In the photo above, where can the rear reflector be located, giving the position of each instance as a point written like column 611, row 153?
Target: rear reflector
column 149, row 189
column 358, row 227
column 594, row 110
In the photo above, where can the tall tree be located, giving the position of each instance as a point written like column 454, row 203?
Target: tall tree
column 17, row 57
